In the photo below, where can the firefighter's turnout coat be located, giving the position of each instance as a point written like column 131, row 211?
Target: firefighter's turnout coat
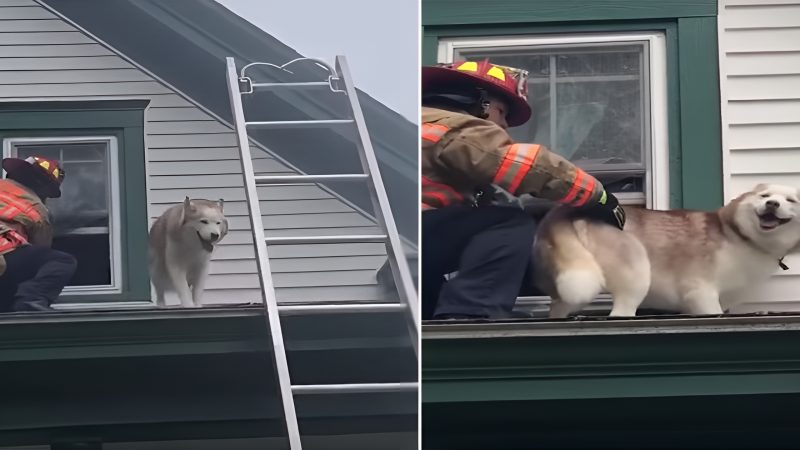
column 23, row 217
column 462, row 154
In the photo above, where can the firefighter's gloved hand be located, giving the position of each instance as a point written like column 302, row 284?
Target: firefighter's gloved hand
column 607, row 210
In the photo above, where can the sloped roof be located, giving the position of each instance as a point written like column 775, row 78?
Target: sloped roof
column 185, row 42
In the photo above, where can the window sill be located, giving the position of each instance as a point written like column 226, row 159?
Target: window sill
column 126, row 311
column 67, row 304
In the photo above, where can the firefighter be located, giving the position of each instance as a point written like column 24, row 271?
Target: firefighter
column 35, row 273
column 466, row 108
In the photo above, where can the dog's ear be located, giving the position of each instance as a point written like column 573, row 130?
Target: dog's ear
column 184, row 210
column 761, row 187
column 188, row 206
column 223, row 230
column 221, row 203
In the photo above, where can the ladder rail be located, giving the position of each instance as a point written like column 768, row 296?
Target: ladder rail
column 289, row 84
column 298, row 123
column 319, row 62
column 354, row 388
column 262, row 259
column 264, row 180
column 290, row 310
column 383, row 212
column 338, row 239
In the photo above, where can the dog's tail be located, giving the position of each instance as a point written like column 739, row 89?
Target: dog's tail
column 585, row 258
column 573, row 275
column 579, row 277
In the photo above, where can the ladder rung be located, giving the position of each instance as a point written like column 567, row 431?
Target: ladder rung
column 290, row 310
column 356, row 388
column 286, row 179
column 298, row 123
column 354, row 239
column 299, row 84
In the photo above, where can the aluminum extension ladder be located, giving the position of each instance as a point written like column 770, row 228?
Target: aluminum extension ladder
column 340, row 82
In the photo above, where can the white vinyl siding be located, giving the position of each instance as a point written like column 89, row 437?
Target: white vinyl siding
column 760, row 83
column 189, row 152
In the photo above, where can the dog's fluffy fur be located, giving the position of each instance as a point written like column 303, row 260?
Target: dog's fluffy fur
column 181, row 243
column 681, row 261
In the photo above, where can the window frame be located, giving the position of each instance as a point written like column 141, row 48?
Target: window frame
column 656, row 158
column 115, row 225
column 695, row 157
column 124, row 120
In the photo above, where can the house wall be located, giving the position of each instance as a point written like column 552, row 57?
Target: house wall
column 189, row 152
column 760, row 87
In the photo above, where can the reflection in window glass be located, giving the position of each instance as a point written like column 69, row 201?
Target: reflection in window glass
column 589, row 105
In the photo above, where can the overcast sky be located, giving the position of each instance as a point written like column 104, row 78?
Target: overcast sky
column 379, row 38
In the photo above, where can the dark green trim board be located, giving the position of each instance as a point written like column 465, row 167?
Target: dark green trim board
column 614, row 366
column 428, row 47
column 177, row 374
column 125, row 121
column 693, row 100
column 545, row 384
column 701, row 135
column 476, row 12
column 674, row 119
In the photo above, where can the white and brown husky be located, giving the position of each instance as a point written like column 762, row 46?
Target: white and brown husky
column 691, row 262
column 181, row 242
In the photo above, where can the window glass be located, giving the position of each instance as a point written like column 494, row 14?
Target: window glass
column 82, row 215
column 589, row 104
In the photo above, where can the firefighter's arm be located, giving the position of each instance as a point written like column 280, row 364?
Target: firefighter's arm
column 485, row 153
column 41, row 234
column 41, row 231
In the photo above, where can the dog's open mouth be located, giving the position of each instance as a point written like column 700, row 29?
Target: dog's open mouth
column 770, row 221
column 207, row 246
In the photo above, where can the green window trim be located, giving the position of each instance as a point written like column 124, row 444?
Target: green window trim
column 125, row 121
column 693, row 98
column 471, row 12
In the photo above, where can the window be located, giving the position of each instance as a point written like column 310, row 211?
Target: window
column 85, row 218
column 101, row 217
column 598, row 100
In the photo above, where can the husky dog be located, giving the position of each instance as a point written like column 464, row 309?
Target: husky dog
column 685, row 261
column 181, row 242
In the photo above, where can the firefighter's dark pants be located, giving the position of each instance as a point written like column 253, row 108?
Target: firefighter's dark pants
column 34, row 278
column 489, row 247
